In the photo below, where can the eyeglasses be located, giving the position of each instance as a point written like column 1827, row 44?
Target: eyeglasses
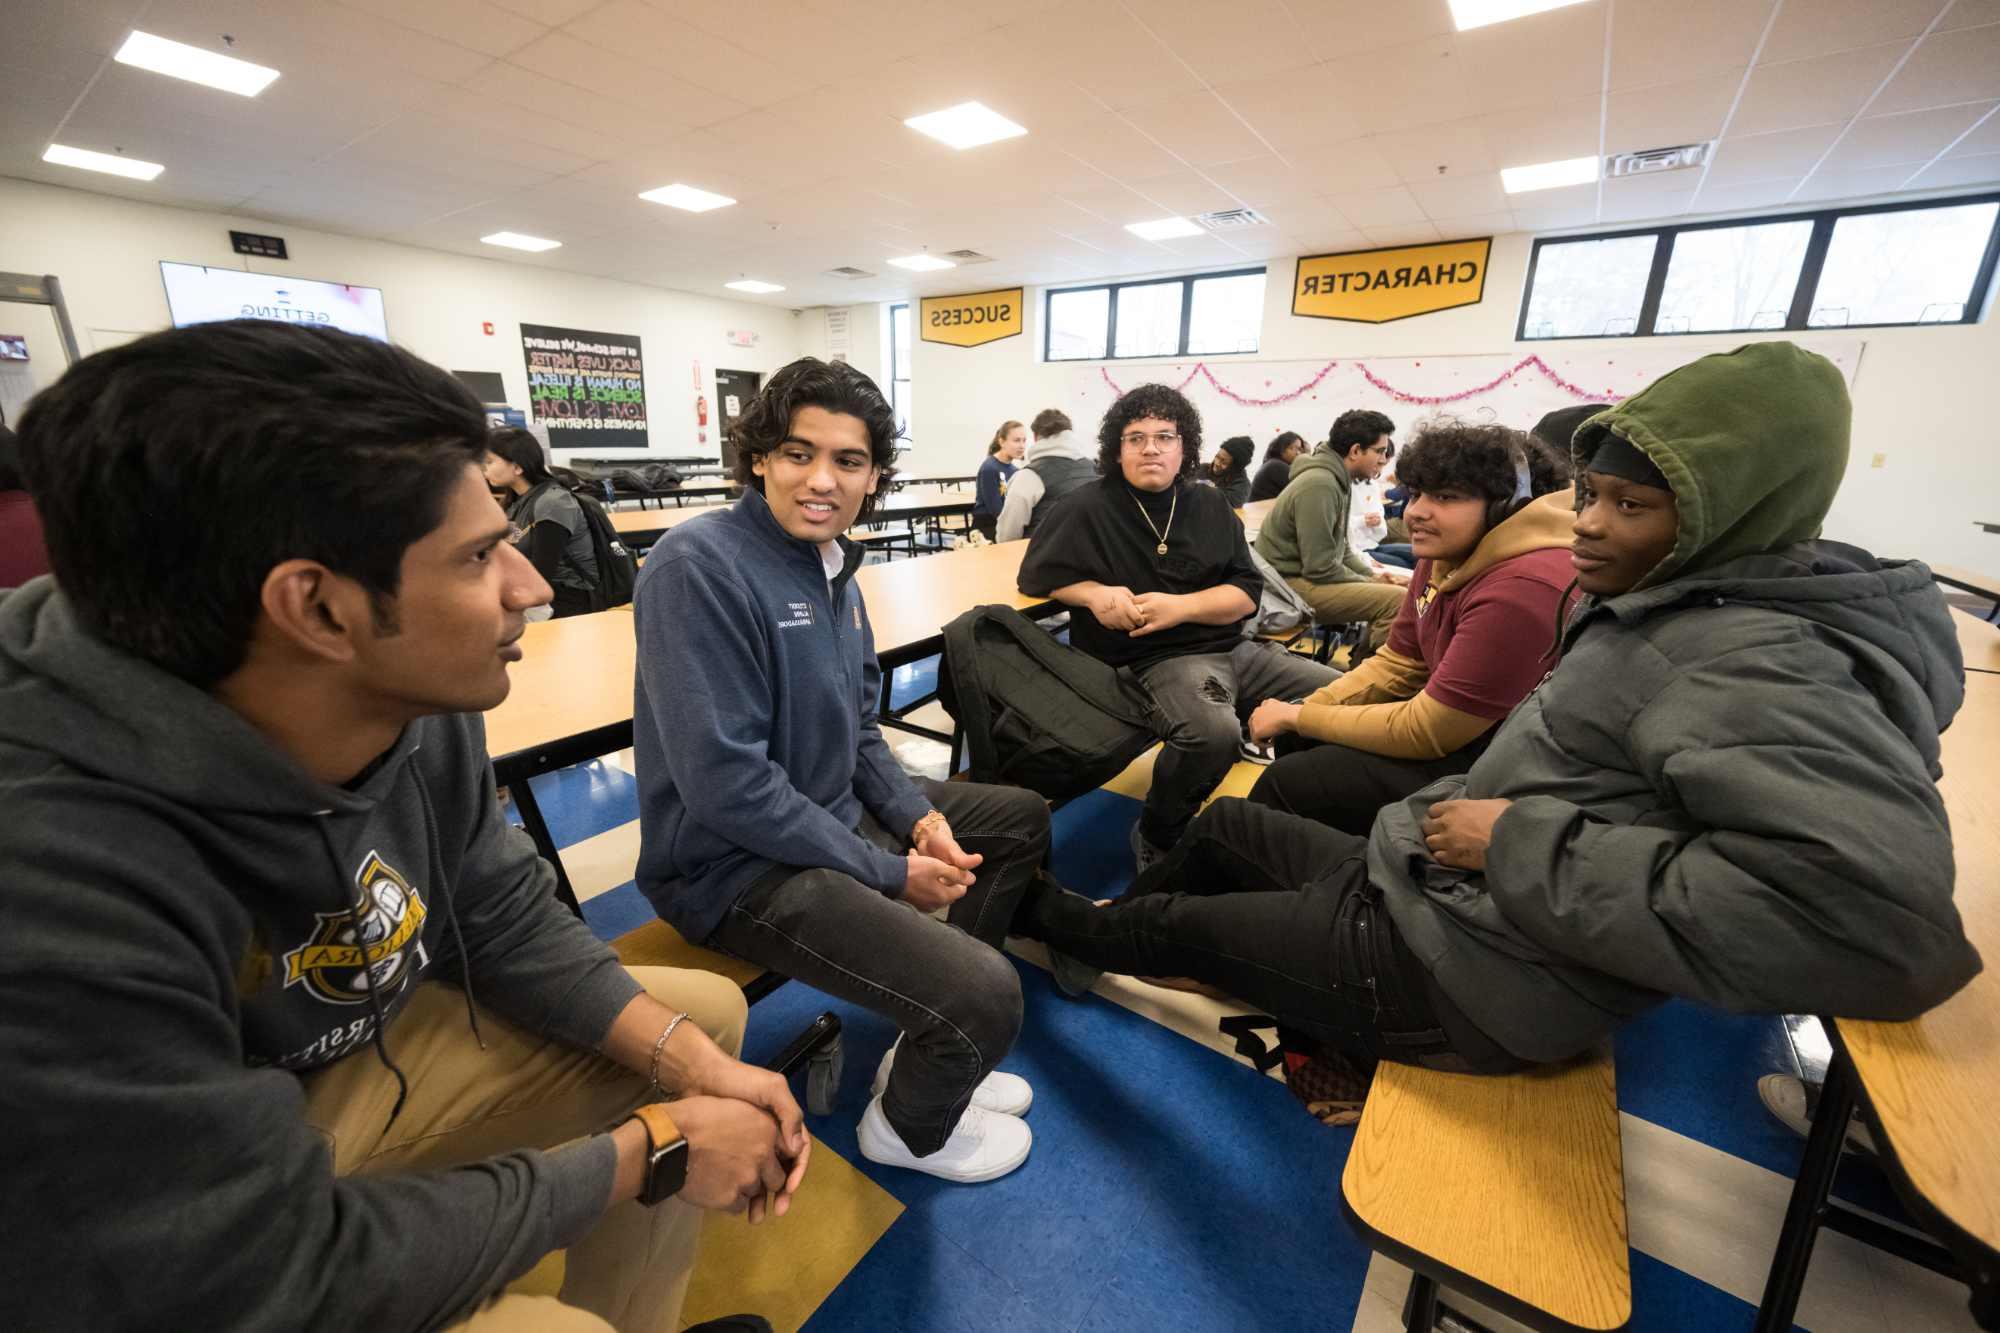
column 1162, row 442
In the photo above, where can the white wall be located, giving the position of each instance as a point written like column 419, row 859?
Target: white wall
column 107, row 253
column 1922, row 396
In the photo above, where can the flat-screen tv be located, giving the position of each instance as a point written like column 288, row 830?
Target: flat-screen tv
column 197, row 295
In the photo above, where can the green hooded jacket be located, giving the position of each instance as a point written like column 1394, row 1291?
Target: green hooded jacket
column 1726, row 791
column 1305, row 535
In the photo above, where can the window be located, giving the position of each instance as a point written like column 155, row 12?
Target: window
column 1926, row 263
column 1209, row 314
column 899, row 365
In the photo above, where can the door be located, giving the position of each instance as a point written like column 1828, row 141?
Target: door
column 32, row 355
column 733, row 391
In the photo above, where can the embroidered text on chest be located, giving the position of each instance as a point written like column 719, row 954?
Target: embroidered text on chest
column 796, row 614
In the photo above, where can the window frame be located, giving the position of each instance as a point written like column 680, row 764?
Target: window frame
column 1186, row 280
column 899, row 373
column 1800, row 310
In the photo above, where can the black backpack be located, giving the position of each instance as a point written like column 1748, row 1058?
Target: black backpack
column 617, row 570
column 1038, row 713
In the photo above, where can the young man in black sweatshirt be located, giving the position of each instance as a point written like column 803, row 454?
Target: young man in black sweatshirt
column 295, row 1024
column 776, row 824
column 1159, row 579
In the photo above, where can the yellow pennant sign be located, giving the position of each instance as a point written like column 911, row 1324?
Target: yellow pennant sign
column 1376, row 286
column 972, row 319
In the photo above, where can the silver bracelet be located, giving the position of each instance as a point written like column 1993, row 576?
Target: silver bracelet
column 661, row 1045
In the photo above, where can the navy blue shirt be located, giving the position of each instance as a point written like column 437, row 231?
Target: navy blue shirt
column 754, row 718
column 990, row 487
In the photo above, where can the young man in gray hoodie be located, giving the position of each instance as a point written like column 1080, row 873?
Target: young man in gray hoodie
column 295, row 1024
column 1056, row 465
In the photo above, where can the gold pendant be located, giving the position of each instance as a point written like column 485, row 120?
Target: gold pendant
column 1161, row 549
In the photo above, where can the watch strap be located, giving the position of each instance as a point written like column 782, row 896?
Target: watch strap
column 666, row 1158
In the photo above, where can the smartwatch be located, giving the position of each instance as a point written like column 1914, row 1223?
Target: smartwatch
column 666, row 1158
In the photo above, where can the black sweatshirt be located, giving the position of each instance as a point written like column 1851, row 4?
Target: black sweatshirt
column 1098, row 534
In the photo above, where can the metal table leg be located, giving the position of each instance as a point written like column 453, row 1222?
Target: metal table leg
column 1807, row 1209
column 538, row 829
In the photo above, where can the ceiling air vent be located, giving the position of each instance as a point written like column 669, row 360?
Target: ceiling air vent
column 964, row 257
column 1232, row 219
column 848, row 271
column 1652, row 160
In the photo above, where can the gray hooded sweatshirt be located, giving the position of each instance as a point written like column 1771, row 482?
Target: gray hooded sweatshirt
column 1727, row 789
column 177, row 944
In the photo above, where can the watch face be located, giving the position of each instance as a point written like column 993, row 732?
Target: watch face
column 666, row 1172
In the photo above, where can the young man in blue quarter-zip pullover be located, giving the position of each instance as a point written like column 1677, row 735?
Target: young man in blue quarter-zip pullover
column 776, row 824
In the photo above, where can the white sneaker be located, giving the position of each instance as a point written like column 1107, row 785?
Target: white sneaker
column 1002, row 1094
column 984, row 1146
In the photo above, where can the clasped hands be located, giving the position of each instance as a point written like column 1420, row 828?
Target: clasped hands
column 1138, row 614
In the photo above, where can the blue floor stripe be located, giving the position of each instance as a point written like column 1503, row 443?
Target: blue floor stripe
column 612, row 913
column 584, row 801
column 1091, row 851
column 913, row 681
column 1666, row 1300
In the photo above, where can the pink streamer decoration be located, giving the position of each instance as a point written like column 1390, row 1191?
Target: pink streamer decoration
column 1525, row 363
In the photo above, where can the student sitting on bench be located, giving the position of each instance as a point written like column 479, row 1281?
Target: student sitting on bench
column 1159, row 579
column 1490, row 518
column 775, row 822
column 295, row 1024
column 1726, row 791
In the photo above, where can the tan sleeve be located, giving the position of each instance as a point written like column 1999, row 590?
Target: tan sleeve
column 1384, row 678
column 1415, row 728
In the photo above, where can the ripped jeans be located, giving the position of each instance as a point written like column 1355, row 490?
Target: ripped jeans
column 1199, row 704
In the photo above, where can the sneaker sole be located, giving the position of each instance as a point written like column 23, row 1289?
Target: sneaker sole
column 917, row 1164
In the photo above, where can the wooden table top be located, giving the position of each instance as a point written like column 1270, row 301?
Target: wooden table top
column 1986, row 585
column 1978, row 640
column 1933, row 1082
column 575, row 676
column 1562, row 1248
column 1254, row 514
column 646, row 522
column 910, row 601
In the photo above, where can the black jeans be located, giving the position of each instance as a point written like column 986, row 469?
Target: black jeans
column 1344, row 788
column 957, row 999
column 1278, row 911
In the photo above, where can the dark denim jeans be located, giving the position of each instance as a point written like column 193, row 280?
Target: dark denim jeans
column 955, row 996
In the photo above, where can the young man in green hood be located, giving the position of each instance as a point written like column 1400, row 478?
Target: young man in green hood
column 1726, row 790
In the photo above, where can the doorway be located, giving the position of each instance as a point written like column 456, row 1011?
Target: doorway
column 36, row 345
column 733, row 391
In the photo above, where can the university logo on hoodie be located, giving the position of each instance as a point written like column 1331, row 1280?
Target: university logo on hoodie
column 330, row 964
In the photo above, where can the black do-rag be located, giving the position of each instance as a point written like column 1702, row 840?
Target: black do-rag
column 1617, row 457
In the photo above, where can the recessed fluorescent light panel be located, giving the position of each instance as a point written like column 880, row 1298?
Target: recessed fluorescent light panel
column 1549, row 175
column 1480, row 13
column 687, row 197
column 107, row 163
column 754, row 287
column 180, row 61
column 967, row 125
column 514, row 240
column 923, row 263
column 1163, row 229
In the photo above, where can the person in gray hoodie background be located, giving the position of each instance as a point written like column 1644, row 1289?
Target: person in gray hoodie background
column 295, row 1024
column 1056, row 465
column 1725, row 791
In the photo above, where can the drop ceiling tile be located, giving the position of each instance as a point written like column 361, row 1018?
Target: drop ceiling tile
column 1552, row 210
column 1456, row 198
column 1821, row 27
column 549, row 13
column 1827, row 185
column 609, row 125
column 1330, row 239
column 1222, row 43
column 1984, row 138
column 1294, row 114
column 1264, row 183
column 1961, row 66
column 1533, row 61
column 1978, row 169
column 1812, row 92
column 1476, row 226
column 1114, row 205
column 1382, row 208
column 477, row 24
column 659, row 41
column 1197, row 128
column 1970, row 14
column 1544, row 134
column 1185, row 193
column 1910, row 136
column 1460, row 148
column 1417, row 84
column 1643, row 198
column 1689, row 39
column 308, row 34
column 1348, row 168
column 1339, row 29
column 1670, row 113
column 1097, row 44
column 1715, row 198
column 1405, row 233
column 668, row 103
column 1116, row 149
column 1787, row 154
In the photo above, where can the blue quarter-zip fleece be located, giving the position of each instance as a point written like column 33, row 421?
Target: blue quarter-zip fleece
column 754, row 722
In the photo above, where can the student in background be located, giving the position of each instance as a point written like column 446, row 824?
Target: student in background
column 23, row 555
column 775, row 823
column 1160, row 580
column 1057, row 465
column 1229, row 470
column 555, row 536
column 294, row 1018
column 1726, row 792
column 1491, row 519
column 1009, row 442
column 1368, row 522
column 1277, row 466
column 1305, row 537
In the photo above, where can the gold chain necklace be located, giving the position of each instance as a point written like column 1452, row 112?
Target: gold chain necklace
column 1172, row 505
